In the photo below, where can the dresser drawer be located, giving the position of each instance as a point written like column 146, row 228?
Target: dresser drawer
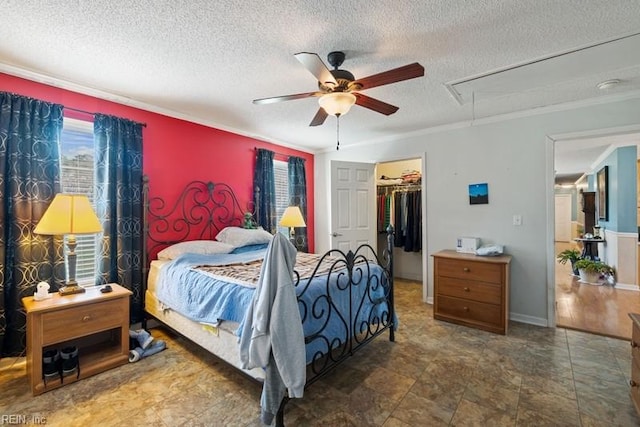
column 62, row 325
column 635, row 383
column 468, row 289
column 472, row 311
column 635, row 343
column 463, row 269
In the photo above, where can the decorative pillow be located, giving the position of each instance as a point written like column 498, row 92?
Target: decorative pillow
column 204, row 247
column 236, row 236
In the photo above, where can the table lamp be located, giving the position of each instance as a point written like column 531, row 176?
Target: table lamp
column 69, row 214
column 292, row 217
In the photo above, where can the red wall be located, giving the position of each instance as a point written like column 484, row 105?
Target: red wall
column 176, row 151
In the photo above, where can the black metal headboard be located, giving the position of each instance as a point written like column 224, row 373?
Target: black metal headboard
column 199, row 212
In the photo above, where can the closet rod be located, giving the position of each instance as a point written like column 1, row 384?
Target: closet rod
column 415, row 186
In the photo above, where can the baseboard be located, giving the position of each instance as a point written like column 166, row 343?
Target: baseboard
column 531, row 320
column 412, row 277
column 627, row 287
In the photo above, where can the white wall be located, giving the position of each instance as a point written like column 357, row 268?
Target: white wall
column 511, row 155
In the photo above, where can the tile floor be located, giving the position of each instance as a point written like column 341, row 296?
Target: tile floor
column 434, row 374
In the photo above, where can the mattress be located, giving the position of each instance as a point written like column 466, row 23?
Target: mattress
column 220, row 341
column 323, row 300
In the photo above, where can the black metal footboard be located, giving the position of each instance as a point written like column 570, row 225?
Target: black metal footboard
column 355, row 306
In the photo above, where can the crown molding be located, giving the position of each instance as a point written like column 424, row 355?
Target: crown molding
column 129, row 102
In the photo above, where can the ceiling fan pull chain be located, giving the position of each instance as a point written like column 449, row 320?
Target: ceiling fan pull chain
column 338, row 133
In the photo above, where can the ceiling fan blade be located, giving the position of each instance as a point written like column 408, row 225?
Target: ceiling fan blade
column 314, row 64
column 375, row 105
column 285, row 98
column 319, row 118
column 392, row 76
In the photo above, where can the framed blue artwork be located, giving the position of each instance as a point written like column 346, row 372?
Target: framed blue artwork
column 479, row 194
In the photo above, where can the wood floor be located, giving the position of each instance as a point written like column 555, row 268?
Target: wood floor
column 600, row 310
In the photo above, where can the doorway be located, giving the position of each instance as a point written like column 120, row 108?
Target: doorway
column 401, row 203
column 599, row 309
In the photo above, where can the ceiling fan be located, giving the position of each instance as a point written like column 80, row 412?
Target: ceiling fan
column 339, row 89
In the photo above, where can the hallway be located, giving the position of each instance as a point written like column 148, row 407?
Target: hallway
column 601, row 310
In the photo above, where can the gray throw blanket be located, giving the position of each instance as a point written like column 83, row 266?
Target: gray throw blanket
column 272, row 336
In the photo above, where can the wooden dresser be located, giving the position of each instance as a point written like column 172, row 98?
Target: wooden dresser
column 635, row 361
column 472, row 290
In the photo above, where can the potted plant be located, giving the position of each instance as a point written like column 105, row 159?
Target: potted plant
column 571, row 255
column 590, row 270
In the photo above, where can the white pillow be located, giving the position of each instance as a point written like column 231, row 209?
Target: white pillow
column 237, row 237
column 204, row 247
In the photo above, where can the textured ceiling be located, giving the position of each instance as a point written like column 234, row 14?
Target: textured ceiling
column 576, row 157
column 206, row 61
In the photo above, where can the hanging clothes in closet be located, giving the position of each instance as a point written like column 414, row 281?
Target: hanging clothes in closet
column 403, row 209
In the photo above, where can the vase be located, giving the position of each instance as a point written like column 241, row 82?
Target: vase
column 590, row 277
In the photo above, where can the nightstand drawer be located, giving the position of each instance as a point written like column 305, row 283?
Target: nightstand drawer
column 463, row 269
column 78, row 321
column 476, row 291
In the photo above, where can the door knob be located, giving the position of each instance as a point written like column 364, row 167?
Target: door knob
column 334, row 234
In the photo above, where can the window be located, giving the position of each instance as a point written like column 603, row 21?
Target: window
column 76, row 162
column 281, row 178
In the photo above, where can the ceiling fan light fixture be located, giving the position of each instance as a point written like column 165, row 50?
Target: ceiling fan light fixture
column 337, row 103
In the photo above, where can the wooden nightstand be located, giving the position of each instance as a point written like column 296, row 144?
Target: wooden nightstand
column 97, row 323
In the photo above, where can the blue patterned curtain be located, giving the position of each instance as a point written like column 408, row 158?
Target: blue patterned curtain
column 118, row 180
column 29, row 179
column 298, row 197
column 264, row 190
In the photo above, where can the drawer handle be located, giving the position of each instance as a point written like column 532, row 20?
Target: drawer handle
column 632, row 383
column 466, row 269
column 467, row 289
column 465, row 308
column 86, row 318
column 634, row 344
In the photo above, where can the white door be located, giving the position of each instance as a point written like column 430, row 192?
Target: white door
column 353, row 205
column 563, row 218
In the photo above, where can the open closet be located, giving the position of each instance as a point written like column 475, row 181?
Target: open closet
column 399, row 203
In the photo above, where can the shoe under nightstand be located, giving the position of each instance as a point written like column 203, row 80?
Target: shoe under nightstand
column 96, row 323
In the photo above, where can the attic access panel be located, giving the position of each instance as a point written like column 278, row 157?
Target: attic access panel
column 607, row 56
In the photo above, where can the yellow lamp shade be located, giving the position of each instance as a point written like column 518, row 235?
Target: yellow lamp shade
column 292, row 217
column 69, row 214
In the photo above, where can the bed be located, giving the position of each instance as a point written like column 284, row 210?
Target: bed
column 345, row 300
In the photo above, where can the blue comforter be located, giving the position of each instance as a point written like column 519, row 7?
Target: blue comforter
column 200, row 297
column 203, row 298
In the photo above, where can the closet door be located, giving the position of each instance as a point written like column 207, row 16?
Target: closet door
column 353, row 205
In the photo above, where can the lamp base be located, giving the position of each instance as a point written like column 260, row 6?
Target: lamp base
column 71, row 289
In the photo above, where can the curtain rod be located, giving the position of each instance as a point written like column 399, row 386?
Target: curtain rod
column 280, row 154
column 93, row 114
